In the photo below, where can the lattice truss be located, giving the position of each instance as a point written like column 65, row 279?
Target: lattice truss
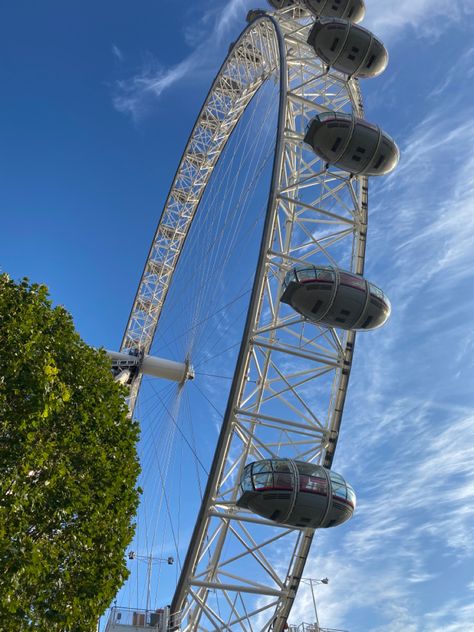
column 242, row 572
column 253, row 59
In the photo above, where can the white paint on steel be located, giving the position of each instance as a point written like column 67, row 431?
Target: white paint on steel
column 314, row 214
column 153, row 366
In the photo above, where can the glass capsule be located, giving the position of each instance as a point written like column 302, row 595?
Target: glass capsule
column 348, row 48
column 352, row 144
column 335, row 298
column 296, row 493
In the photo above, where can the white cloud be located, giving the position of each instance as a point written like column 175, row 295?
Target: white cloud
column 207, row 33
column 117, row 53
column 233, row 10
column 453, row 616
column 418, row 504
column 133, row 96
column 424, row 18
column 407, row 441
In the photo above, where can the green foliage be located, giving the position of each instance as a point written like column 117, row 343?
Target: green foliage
column 68, row 469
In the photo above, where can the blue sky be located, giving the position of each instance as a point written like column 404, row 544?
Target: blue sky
column 98, row 101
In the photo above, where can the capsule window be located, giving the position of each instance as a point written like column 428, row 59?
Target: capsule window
column 263, row 481
column 337, row 143
column 341, row 116
column 339, row 490
column 325, row 275
column 351, row 497
column 281, row 466
column 371, row 61
column 289, row 277
column 316, row 307
column 334, row 44
column 246, row 484
column 379, row 162
column 366, row 322
column 336, row 478
column 282, row 480
column 353, row 53
column 313, row 485
column 326, row 116
column 307, row 469
column 305, row 274
column 376, row 291
column 352, row 280
column 262, row 466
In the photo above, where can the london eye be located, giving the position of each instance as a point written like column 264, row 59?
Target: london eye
column 239, row 344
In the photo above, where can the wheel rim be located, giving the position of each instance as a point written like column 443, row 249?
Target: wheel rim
column 304, row 198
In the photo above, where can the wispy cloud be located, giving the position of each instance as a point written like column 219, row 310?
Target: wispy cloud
column 117, row 53
column 408, row 433
column 135, row 95
column 413, row 506
column 407, row 441
column 234, row 10
column 424, row 18
column 132, row 96
column 207, row 33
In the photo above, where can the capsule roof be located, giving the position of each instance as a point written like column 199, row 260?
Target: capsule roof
column 348, row 48
column 335, row 298
column 352, row 144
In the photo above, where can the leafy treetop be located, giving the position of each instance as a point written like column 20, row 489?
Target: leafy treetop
column 68, row 469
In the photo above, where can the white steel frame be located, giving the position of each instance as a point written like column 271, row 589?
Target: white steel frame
column 242, row 572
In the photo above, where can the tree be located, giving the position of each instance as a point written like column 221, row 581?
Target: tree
column 68, row 469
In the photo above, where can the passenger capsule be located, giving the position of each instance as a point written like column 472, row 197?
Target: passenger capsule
column 296, row 493
column 352, row 144
column 348, row 48
column 335, row 298
column 352, row 10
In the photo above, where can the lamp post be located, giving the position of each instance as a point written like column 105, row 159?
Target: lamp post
column 314, row 582
column 149, row 559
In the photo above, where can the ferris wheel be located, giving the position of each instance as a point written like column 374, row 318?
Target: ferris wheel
column 247, row 312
